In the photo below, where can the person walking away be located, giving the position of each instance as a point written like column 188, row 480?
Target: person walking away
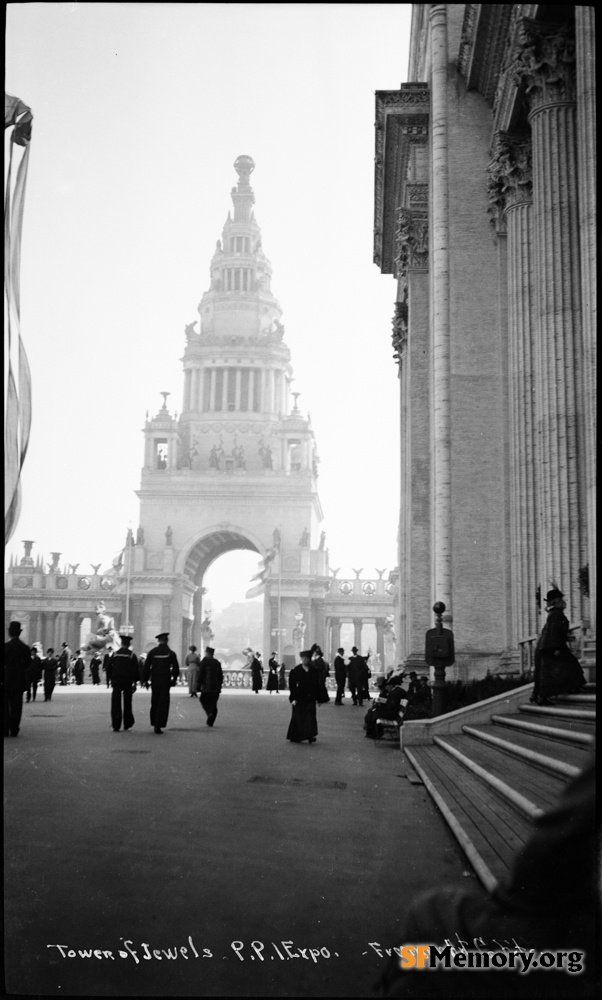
column 272, row 684
column 79, row 667
column 105, row 663
column 162, row 670
column 50, row 665
column 256, row 674
column 557, row 670
column 123, row 676
column 304, row 690
column 17, row 659
column 211, row 678
column 340, row 675
column 353, row 674
column 193, row 665
column 64, row 663
column 95, row 664
column 34, row 674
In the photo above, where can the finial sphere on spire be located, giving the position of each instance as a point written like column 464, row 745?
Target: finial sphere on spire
column 244, row 166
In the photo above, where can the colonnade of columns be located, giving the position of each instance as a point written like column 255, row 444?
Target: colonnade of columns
column 334, row 625
column 543, row 179
column 234, row 389
column 53, row 628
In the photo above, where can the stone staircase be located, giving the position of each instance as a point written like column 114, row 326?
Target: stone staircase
column 495, row 767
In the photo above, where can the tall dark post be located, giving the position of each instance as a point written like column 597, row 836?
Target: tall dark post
column 439, row 653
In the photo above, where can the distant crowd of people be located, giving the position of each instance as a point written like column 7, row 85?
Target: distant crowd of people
column 400, row 697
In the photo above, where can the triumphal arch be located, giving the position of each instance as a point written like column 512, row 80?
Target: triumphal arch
column 238, row 468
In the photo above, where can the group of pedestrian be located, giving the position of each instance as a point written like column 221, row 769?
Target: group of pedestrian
column 557, row 671
column 356, row 674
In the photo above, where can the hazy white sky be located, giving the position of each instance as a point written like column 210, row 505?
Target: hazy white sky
column 139, row 113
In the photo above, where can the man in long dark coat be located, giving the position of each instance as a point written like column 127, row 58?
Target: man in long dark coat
column 354, row 670
column 122, row 672
column 211, row 678
column 17, row 658
column 64, row 664
column 50, row 665
column 340, row 675
column 162, row 669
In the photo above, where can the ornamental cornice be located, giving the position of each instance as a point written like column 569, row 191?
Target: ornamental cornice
column 402, row 120
column 483, row 46
column 545, row 63
column 510, row 174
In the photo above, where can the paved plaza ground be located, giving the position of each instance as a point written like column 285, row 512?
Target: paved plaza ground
column 157, row 861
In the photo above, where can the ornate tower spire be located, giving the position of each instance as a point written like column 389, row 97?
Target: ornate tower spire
column 236, row 414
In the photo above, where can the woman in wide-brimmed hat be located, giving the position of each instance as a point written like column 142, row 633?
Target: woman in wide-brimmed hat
column 303, row 682
column 557, row 670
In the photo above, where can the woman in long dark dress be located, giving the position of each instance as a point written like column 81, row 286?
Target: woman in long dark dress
column 557, row 670
column 304, row 688
column 272, row 684
column 256, row 674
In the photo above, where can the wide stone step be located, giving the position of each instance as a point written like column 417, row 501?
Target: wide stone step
column 552, row 712
column 487, row 827
column 554, row 756
column 530, row 788
column 557, row 733
column 576, row 699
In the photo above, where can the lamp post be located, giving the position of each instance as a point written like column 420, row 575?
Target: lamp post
column 439, row 653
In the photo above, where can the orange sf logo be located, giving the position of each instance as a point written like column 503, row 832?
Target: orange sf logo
column 414, row 956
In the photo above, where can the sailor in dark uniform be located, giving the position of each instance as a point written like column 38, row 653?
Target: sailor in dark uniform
column 162, row 669
column 122, row 673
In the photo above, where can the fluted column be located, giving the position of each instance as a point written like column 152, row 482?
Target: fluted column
column 441, row 309
column 547, row 68
column 585, row 29
column 510, row 188
column 357, row 633
column 335, row 637
column 137, row 610
column 380, row 640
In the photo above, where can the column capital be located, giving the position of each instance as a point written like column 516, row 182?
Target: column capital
column 545, row 63
column 510, row 174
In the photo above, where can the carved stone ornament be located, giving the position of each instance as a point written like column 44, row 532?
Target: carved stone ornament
column 510, row 174
column 411, row 241
column 545, row 63
column 400, row 329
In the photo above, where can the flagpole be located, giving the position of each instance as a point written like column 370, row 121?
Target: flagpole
column 280, row 604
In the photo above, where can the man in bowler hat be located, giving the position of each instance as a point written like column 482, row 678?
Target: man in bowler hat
column 162, row 669
column 211, row 678
column 17, row 657
column 355, row 670
column 122, row 673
